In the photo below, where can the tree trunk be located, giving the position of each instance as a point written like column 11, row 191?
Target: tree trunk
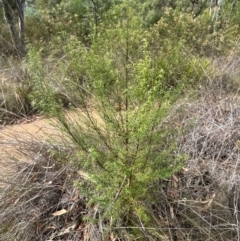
column 14, row 13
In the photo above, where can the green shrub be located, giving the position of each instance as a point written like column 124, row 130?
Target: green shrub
column 201, row 36
column 125, row 88
column 42, row 95
column 119, row 136
column 119, row 143
column 70, row 18
column 40, row 35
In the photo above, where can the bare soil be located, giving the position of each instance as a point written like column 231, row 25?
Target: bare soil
column 13, row 136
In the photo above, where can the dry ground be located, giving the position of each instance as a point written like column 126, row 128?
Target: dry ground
column 14, row 140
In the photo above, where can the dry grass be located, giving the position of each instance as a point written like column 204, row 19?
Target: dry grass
column 202, row 202
column 14, row 90
column 42, row 187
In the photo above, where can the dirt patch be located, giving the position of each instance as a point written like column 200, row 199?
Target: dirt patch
column 13, row 137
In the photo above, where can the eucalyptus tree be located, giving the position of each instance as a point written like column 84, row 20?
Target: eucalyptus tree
column 13, row 11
